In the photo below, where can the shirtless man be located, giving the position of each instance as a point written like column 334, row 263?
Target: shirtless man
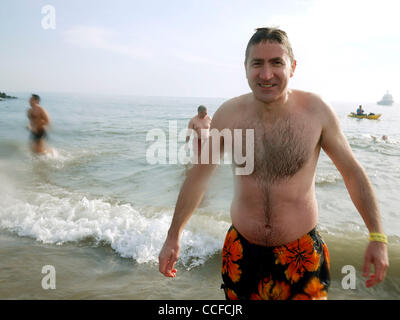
column 272, row 250
column 38, row 120
column 201, row 125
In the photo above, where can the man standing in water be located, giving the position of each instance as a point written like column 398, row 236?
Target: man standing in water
column 272, row 250
column 38, row 120
column 201, row 126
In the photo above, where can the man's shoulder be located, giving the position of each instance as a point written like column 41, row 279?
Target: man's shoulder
column 36, row 110
column 234, row 103
column 307, row 96
column 312, row 101
column 225, row 114
column 41, row 109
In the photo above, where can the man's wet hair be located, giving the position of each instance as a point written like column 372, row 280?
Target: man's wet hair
column 273, row 35
column 35, row 97
column 201, row 109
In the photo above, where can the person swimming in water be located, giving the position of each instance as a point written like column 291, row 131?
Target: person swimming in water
column 384, row 138
column 38, row 121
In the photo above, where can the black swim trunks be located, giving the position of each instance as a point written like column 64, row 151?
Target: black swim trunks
column 298, row 270
column 36, row 136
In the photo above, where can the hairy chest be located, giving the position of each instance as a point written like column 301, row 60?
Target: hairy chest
column 281, row 147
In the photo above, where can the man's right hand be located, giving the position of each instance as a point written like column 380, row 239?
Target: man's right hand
column 168, row 256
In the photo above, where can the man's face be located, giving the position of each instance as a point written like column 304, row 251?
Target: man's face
column 202, row 114
column 268, row 70
column 32, row 101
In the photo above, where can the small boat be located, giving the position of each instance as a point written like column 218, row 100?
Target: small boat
column 387, row 100
column 366, row 116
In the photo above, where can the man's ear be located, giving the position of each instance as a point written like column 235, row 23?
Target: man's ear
column 293, row 68
column 245, row 69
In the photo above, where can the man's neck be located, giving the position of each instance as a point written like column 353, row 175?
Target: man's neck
column 276, row 107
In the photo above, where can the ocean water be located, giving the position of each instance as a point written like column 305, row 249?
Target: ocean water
column 99, row 212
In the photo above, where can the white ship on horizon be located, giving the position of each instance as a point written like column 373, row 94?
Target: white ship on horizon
column 387, row 99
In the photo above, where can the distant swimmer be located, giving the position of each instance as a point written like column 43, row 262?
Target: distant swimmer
column 201, row 126
column 38, row 120
column 384, row 138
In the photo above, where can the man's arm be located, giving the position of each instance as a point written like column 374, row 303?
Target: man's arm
column 189, row 131
column 28, row 114
column 45, row 116
column 190, row 195
column 336, row 146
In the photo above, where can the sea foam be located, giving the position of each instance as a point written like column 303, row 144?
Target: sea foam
column 56, row 220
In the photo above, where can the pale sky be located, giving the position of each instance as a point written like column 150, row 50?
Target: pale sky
column 346, row 50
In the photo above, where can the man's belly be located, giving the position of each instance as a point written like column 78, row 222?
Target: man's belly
column 283, row 220
column 37, row 127
column 198, row 144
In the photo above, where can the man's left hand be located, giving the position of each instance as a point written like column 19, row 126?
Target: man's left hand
column 377, row 255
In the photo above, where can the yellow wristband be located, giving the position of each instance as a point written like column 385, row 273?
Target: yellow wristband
column 379, row 237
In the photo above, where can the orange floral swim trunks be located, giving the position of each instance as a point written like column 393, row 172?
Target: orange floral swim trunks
column 298, row 270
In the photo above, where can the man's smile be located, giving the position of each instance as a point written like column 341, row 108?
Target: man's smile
column 266, row 85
